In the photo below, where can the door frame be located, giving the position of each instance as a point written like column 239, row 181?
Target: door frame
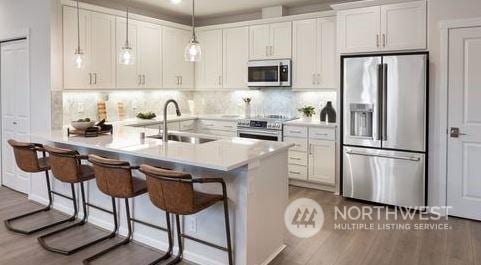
column 443, row 101
column 19, row 34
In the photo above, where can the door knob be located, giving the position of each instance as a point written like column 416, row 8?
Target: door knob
column 454, row 132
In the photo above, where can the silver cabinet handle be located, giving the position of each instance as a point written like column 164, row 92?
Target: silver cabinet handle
column 267, row 50
column 313, row 79
column 383, row 40
column 14, row 123
column 143, row 79
column 318, row 79
column 377, row 40
column 95, row 78
column 90, row 78
column 139, row 80
column 294, row 172
column 178, row 79
column 295, row 158
column 181, row 80
column 220, row 80
column 272, row 50
column 410, row 158
column 295, row 131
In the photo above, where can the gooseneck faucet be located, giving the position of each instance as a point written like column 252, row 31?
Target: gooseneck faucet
column 177, row 110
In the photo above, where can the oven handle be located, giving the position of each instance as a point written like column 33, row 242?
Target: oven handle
column 258, row 132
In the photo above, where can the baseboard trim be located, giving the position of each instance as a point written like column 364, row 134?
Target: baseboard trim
column 274, row 255
column 311, row 185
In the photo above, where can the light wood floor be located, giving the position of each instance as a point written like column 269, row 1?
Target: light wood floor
column 461, row 245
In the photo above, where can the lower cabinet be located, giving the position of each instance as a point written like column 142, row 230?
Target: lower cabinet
column 313, row 157
column 217, row 127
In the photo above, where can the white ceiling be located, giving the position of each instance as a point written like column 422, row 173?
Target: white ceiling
column 213, row 8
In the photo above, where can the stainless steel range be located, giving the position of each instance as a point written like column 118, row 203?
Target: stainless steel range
column 267, row 127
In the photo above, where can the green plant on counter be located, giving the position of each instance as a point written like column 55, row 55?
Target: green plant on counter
column 307, row 111
column 146, row 115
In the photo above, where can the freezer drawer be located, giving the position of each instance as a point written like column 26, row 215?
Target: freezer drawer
column 389, row 177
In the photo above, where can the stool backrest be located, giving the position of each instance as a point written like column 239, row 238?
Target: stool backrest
column 113, row 177
column 26, row 156
column 169, row 190
column 64, row 163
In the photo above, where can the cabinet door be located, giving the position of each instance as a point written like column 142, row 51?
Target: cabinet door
column 150, row 55
column 127, row 75
column 171, row 55
column 403, row 26
column 326, row 53
column 359, row 29
column 259, row 42
column 280, row 40
column 235, row 57
column 73, row 77
column 186, row 69
column 304, row 52
column 208, row 72
column 102, row 49
column 322, row 161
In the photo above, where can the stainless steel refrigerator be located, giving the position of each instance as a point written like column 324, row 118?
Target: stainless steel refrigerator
column 384, row 128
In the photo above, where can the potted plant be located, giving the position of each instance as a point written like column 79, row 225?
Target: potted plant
column 307, row 112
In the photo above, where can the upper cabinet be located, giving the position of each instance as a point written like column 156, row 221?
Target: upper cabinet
column 270, row 41
column 383, row 28
column 235, row 57
column 97, row 33
column 208, row 72
column 146, row 42
column 314, row 53
column 177, row 73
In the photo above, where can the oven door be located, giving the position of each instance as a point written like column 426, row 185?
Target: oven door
column 259, row 134
column 273, row 73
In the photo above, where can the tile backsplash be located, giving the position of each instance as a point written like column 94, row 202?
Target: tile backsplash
column 81, row 104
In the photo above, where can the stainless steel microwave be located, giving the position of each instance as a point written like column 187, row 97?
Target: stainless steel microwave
column 269, row 73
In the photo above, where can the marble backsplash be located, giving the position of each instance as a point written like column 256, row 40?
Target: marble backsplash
column 81, row 104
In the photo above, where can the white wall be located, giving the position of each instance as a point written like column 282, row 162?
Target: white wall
column 439, row 10
column 34, row 15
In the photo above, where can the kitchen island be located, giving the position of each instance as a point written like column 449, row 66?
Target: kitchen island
column 257, row 185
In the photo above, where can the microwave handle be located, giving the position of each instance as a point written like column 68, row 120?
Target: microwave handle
column 279, row 66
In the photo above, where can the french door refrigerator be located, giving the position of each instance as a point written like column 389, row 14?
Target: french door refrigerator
column 384, row 120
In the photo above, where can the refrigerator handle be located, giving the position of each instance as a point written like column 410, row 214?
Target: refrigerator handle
column 410, row 158
column 380, row 84
column 384, row 103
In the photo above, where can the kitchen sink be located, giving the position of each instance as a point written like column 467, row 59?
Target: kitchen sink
column 184, row 139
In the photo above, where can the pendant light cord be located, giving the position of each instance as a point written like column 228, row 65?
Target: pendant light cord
column 78, row 27
column 127, row 26
column 193, row 20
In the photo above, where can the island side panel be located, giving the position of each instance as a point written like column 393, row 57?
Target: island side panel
column 267, row 195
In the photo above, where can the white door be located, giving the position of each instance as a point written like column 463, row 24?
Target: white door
column 186, row 69
column 102, row 49
column 304, row 54
column 464, row 151
column 235, row 57
column 170, row 54
column 150, row 55
column 127, row 75
column 326, row 53
column 208, row 72
column 15, row 97
column 259, row 42
column 359, row 29
column 322, row 161
column 280, row 40
column 403, row 26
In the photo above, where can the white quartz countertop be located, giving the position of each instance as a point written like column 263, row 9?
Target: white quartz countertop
column 223, row 154
column 172, row 118
column 311, row 123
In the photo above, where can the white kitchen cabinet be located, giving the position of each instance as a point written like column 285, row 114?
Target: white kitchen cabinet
column 208, row 72
column 97, row 32
column 145, row 40
column 403, row 26
column 322, row 161
column 383, row 28
column 359, row 29
column 177, row 73
column 314, row 53
column 270, row 41
column 235, row 57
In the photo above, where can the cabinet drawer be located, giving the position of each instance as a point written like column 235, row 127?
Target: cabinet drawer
column 322, row 134
column 300, row 143
column 295, row 131
column 217, row 125
column 297, row 158
column 297, row 172
column 187, row 125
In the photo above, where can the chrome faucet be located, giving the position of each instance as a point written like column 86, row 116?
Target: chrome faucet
column 177, row 110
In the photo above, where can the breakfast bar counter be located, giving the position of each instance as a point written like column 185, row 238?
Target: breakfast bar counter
column 255, row 172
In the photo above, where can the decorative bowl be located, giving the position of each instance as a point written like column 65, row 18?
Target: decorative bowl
column 82, row 125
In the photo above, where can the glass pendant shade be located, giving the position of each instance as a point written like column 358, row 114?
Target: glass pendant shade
column 79, row 59
column 126, row 55
column 193, row 52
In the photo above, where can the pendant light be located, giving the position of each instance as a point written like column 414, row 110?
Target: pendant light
column 79, row 56
column 126, row 55
column 193, row 51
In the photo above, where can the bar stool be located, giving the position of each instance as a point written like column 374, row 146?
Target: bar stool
column 114, row 178
column 66, row 166
column 26, row 157
column 174, row 192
